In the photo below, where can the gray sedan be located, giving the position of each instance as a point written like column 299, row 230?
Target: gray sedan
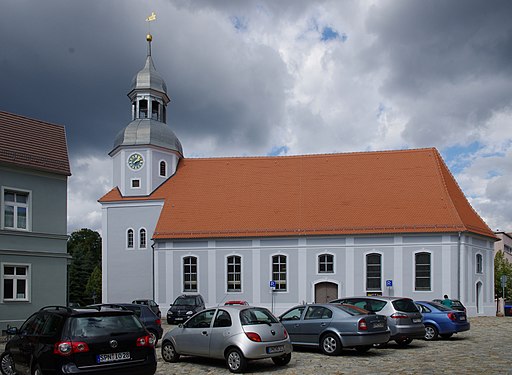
column 235, row 333
column 334, row 327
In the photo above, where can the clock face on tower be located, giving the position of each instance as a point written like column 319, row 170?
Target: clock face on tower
column 135, row 161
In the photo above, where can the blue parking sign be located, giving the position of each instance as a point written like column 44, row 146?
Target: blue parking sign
column 389, row 283
column 272, row 284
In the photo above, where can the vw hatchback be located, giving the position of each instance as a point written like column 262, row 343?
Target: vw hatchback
column 234, row 333
column 61, row 340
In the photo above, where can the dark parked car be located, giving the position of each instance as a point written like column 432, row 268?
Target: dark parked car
column 334, row 327
column 184, row 307
column 61, row 340
column 442, row 321
column 152, row 305
column 152, row 322
column 456, row 304
column 235, row 333
column 404, row 318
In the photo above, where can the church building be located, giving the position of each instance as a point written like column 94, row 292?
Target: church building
column 279, row 231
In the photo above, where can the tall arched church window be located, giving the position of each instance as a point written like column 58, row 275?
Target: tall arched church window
column 142, row 238
column 423, row 271
column 374, row 272
column 129, row 238
column 163, row 168
column 479, row 263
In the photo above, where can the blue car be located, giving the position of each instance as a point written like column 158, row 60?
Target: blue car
column 442, row 321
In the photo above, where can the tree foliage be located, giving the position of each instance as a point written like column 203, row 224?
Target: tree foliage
column 85, row 269
column 502, row 267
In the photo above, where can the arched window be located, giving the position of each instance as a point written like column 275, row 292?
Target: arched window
column 423, row 271
column 142, row 238
column 129, row 239
column 479, row 263
column 326, row 263
column 190, row 274
column 373, row 272
column 279, row 271
column 155, row 110
column 163, row 168
column 234, row 273
column 143, row 108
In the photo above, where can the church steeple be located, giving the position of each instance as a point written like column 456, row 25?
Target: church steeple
column 146, row 152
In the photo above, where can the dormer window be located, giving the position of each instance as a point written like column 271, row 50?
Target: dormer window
column 143, row 108
column 163, row 168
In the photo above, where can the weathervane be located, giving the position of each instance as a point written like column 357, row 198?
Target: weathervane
column 149, row 37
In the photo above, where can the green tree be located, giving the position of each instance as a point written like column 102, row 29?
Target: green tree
column 85, row 248
column 502, row 267
column 93, row 287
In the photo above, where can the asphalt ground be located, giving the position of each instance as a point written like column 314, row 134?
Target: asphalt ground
column 485, row 349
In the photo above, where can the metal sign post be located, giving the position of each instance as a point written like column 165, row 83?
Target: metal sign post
column 272, row 285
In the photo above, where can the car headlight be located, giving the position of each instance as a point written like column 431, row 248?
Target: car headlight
column 190, row 312
column 169, row 312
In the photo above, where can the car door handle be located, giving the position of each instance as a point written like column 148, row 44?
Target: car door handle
column 296, row 325
column 204, row 333
column 323, row 324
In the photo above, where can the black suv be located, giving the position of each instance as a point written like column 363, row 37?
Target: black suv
column 61, row 340
column 184, row 307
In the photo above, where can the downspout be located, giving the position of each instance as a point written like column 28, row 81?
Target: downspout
column 153, row 268
column 459, row 265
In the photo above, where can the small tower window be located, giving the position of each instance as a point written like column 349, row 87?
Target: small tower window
column 134, row 110
column 143, row 108
column 164, row 114
column 155, row 110
column 163, row 168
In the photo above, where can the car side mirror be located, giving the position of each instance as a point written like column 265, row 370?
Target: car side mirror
column 12, row 331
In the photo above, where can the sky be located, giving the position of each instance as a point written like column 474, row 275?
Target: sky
column 286, row 77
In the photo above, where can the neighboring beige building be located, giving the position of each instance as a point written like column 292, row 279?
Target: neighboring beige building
column 505, row 245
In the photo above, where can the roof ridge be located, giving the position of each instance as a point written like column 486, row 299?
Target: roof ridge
column 31, row 119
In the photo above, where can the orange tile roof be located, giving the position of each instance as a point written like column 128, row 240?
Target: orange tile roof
column 408, row 191
column 33, row 144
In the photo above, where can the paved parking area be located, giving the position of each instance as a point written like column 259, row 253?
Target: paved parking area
column 485, row 349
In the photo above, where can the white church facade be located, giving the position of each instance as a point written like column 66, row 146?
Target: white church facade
column 315, row 227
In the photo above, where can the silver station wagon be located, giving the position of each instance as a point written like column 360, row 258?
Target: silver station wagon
column 334, row 327
column 234, row 333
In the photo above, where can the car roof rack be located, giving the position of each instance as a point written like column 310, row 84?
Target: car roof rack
column 108, row 305
column 56, row 307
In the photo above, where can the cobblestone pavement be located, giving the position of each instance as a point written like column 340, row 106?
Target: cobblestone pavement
column 485, row 349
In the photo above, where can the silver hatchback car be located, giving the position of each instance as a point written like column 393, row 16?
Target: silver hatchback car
column 404, row 318
column 235, row 333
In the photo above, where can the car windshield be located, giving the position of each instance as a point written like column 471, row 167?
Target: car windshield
column 352, row 310
column 456, row 303
column 185, row 301
column 95, row 326
column 257, row 316
column 405, row 305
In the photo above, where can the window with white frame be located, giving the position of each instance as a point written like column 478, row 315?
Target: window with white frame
column 15, row 282
column 423, row 272
column 142, row 238
column 374, row 272
column 279, row 272
column 190, row 274
column 129, row 238
column 234, row 273
column 163, row 168
column 326, row 263
column 479, row 263
column 16, row 209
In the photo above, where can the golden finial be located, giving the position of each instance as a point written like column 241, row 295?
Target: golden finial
column 149, row 37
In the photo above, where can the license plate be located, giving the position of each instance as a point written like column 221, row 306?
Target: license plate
column 378, row 325
column 112, row 357
column 178, row 319
column 275, row 349
column 462, row 318
column 416, row 320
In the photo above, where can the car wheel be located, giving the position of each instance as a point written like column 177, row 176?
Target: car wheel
column 236, row 361
column 169, row 353
column 446, row 335
column 330, row 344
column 7, row 366
column 403, row 342
column 282, row 360
column 363, row 348
column 431, row 332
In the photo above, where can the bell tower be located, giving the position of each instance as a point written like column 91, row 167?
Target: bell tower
column 146, row 152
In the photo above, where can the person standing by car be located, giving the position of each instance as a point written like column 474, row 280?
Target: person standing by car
column 447, row 302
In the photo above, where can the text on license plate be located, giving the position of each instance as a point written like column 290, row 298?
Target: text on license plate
column 275, row 349
column 416, row 320
column 112, row 357
column 378, row 325
column 462, row 318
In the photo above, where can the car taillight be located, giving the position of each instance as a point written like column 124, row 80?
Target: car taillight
column 452, row 316
column 399, row 316
column 69, row 347
column 145, row 341
column 285, row 333
column 362, row 325
column 253, row 336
